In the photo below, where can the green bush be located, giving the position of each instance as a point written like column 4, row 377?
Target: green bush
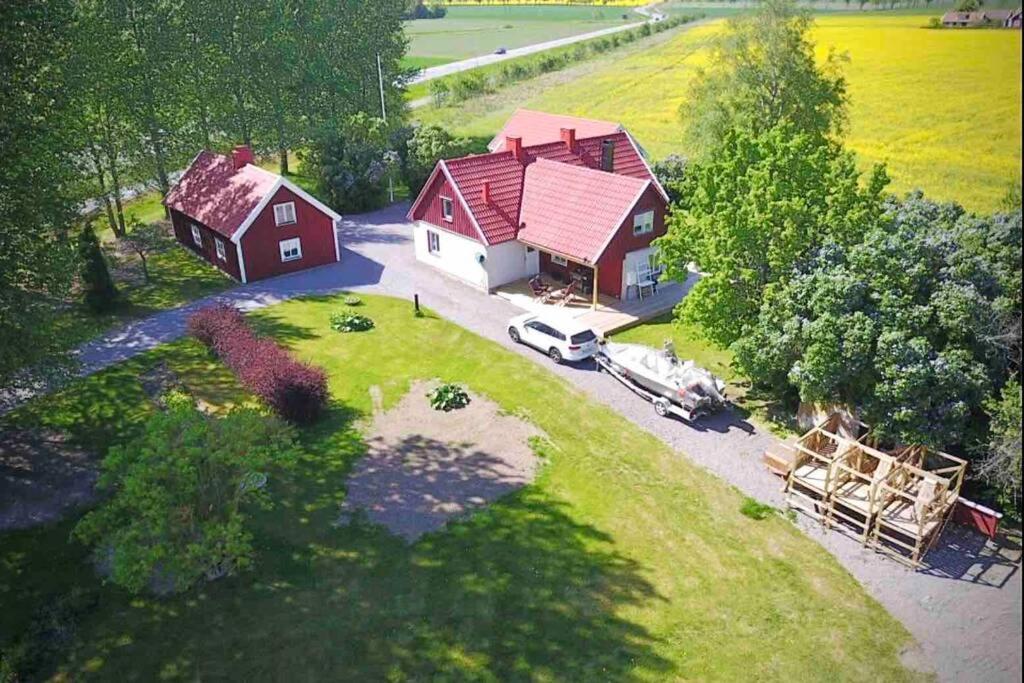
column 448, row 397
column 469, row 85
column 178, row 497
column 755, row 509
column 353, row 300
column 348, row 321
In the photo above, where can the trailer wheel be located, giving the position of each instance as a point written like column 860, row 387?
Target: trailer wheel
column 661, row 407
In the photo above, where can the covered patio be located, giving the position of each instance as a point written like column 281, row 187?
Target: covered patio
column 604, row 314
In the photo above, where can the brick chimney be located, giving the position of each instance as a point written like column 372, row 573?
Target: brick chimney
column 569, row 138
column 241, row 155
column 515, row 145
column 608, row 155
column 485, row 192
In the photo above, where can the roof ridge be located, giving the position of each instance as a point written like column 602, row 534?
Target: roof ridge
column 568, row 116
column 576, row 168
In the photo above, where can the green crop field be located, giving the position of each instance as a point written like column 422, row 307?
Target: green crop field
column 473, row 31
column 941, row 107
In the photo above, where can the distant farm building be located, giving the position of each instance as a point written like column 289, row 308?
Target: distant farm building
column 993, row 18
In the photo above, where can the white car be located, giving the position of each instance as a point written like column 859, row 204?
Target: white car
column 560, row 339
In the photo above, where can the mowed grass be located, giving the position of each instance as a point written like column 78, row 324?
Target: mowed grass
column 473, row 31
column 941, row 107
column 621, row 562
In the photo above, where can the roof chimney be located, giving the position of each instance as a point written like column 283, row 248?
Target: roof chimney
column 515, row 145
column 485, row 192
column 569, row 138
column 608, row 155
column 241, row 155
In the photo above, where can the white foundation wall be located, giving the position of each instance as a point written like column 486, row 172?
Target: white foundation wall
column 456, row 256
column 506, row 262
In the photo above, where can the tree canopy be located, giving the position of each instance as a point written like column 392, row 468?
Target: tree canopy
column 37, row 180
column 904, row 324
column 765, row 74
column 759, row 204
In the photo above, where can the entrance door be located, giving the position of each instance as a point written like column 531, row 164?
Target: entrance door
column 532, row 261
column 639, row 259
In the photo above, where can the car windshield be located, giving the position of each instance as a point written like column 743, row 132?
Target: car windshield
column 583, row 337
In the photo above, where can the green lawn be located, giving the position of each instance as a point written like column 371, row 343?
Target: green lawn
column 941, row 107
column 473, row 31
column 622, row 562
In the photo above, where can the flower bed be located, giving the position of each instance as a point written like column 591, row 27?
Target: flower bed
column 296, row 391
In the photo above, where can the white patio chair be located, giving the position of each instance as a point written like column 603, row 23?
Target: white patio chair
column 644, row 278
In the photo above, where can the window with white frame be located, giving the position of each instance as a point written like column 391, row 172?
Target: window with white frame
column 197, row 235
column 558, row 260
column 643, row 223
column 447, row 209
column 284, row 214
column 291, row 250
column 221, row 253
column 433, row 243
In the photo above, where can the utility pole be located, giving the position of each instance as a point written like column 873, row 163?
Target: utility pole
column 384, row 115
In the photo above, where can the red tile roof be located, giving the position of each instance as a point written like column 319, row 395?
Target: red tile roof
column 574, row 211
column 214, row 193
column 498, row 218
column 537, row 128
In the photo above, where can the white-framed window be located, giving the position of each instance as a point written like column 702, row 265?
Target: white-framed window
column 433, row 243
column 447, row 209
column 291, row 250
column 558, row 260
column 643, row 223
column 221, row 253
column 197, row 235
column 284, row 214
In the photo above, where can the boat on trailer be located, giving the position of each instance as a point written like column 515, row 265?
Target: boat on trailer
column 674, row 386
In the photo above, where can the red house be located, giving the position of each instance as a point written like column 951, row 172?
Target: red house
column 247, row 221
column 585, row 208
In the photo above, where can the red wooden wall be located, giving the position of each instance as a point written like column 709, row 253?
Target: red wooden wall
column 429, row 209
column 183, row 232
column 260, row 243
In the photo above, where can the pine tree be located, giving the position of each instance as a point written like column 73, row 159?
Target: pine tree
column 97, row 285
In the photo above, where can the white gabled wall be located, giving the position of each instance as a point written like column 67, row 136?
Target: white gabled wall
column 457, row 255
column 506, row 262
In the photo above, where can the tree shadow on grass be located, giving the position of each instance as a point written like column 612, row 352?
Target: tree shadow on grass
column 521, row 591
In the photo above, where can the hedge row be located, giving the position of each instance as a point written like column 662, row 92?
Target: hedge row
column 475, row 82
column 295, row 391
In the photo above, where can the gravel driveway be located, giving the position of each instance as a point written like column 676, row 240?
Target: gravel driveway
column 964, row 610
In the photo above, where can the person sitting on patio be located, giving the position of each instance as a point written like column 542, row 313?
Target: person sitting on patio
column 537, row 286
column 566, row 295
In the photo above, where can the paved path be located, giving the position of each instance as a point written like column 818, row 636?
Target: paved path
column 964, row 611
column 450, row 68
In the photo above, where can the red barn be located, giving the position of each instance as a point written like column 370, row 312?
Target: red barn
column 247, row 221
column 582, row 208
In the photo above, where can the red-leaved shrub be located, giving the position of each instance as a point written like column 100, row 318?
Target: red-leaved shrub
column 295, row 391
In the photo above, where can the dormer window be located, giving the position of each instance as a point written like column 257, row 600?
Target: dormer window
column 447, row 209
column 284, row 214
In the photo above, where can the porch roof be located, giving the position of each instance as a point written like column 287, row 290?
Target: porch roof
column 575, row 211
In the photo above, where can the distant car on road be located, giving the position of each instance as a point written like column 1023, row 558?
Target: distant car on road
column 561, row 340
column 500, row 51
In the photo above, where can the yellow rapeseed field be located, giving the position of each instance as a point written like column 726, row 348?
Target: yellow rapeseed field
column 941, row 107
